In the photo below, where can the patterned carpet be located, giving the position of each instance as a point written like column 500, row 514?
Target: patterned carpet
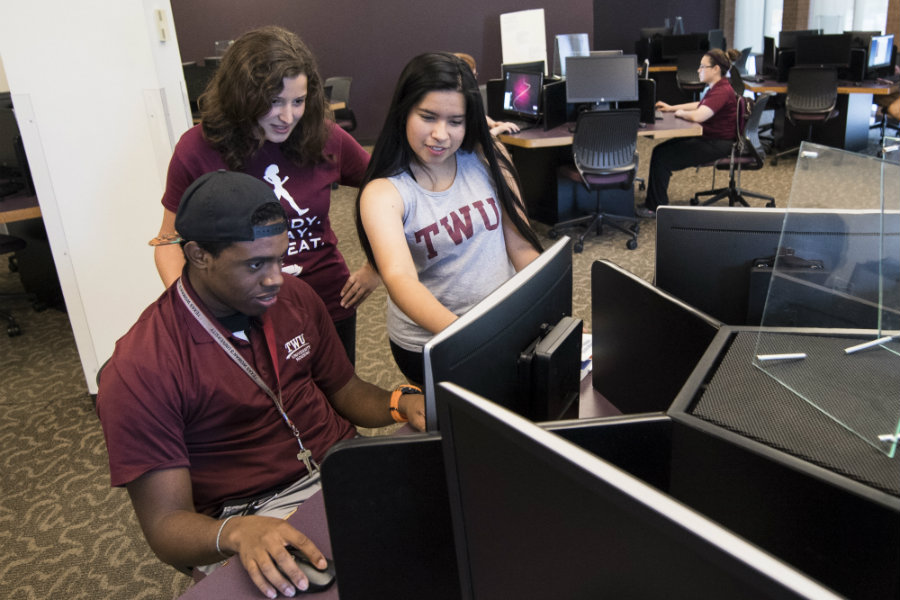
column 64, row 533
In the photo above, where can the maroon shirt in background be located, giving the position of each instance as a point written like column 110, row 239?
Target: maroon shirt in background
column 722, row 100
column 305, row 195
column 170, row 397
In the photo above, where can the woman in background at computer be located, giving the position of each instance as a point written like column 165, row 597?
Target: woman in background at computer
column 496, row 127
column 439, row 212
column 717, row 111
column 264, row 113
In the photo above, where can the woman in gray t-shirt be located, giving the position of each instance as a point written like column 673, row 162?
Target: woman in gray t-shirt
column 439, row 211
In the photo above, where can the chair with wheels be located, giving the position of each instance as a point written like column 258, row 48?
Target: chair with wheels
column 686, row 77
column 337, row 89
column 604, row 149
column 811, row 98
column 8, row 245
column 746, row 154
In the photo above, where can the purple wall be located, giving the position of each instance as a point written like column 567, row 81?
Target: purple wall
column 372, row 41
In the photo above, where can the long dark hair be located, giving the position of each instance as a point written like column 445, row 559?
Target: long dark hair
column 251, row 74
column 392, row 155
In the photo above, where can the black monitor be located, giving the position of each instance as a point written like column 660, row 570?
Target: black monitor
column 535, row 516
column 716, row 38
column 648, row 33
column 522, row 94
column 534, row 66
column 788, row 39
column 15, row 176
column 769, row 66
column 566, row 45
column 481, row 349
column 673, row 45
column 709, row 257
column 880, row 51
column 824, row 50
column 600, row 80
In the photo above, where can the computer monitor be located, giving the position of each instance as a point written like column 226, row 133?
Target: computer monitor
column 534, row 66
column 769, row 66
column 673, row 45
column 716, row 38
column 647, row 33
column 710, row 259
column 879, row 53
column 15, row 176
column 481, row 349
column 522, row 94
column 788, row 39
column 566, row 45
column 605, row 53
column 831, row 50
column 600, row 80
column 592, row 529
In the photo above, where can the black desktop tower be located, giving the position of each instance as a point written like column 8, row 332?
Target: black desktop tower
column 784, row 61
column 857, row 69
column 494, row 106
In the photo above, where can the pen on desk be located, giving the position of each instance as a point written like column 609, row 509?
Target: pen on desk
column 864, row 345
column 788, row 356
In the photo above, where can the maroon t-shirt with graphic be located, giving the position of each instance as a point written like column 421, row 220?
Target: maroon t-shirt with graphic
column 171, row 398
column 305, row 195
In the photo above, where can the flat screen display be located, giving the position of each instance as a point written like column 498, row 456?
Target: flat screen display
column 522, row 94
column 880, row 48
column 824, row 50
column 602, row 79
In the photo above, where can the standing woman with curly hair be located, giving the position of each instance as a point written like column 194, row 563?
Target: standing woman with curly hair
column 264, row 113
column 439, row 212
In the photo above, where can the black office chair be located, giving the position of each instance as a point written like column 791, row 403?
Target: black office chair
column 687, row 77
column 337, row 89
column 811, row 98
column 8, row 245
column 604, row 149
column 741, row 63
column 736, row 81
column 746, row 154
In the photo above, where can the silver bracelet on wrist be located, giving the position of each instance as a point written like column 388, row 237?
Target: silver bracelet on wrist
column 219, row 535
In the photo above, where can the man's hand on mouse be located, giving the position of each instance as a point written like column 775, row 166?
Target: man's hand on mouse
column 261, row 543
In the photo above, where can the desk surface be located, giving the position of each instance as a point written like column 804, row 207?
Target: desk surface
column 670, row 126
column 876, row 88
column 310, row 519
column 19, row 207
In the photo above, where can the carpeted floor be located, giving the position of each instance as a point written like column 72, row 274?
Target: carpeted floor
column 65, row 533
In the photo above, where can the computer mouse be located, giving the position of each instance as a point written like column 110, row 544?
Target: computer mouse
column 319, row 580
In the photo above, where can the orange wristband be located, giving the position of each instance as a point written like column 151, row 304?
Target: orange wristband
column 395, row 401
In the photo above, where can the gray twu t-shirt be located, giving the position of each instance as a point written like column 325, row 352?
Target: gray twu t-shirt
column 456, row 241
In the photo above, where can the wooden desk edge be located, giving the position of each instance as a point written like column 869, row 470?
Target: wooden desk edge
column 20, row 214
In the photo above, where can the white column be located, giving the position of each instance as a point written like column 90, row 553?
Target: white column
column 99, row 97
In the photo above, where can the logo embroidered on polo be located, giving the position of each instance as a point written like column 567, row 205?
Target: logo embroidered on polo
column 297, row 348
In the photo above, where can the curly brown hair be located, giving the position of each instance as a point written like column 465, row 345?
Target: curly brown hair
column 251, row 74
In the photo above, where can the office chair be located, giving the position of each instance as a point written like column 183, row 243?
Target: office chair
column 746, row 154
column 736, row 81
column 337, row 89
column 686, row 77
column 741, row 63
column 8, row 245
column 811, row 98
column 604, row 149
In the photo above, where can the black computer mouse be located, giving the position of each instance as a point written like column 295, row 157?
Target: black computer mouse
column 319, row 580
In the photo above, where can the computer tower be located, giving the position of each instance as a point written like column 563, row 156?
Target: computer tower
column 647, row 100
column 856, row 71
column 494, row 106
column 553, row 104
column 784, row 61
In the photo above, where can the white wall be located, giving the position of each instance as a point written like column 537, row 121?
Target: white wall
column 100, row 101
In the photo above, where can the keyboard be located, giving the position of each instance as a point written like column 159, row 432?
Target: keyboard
column 890, row 79
column 522, row 125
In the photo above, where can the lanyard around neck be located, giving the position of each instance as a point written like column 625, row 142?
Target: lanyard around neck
column 304, row 455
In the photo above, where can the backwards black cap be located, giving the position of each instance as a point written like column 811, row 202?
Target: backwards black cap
column 219, row 206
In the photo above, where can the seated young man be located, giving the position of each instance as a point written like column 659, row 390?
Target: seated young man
column 218, row 402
